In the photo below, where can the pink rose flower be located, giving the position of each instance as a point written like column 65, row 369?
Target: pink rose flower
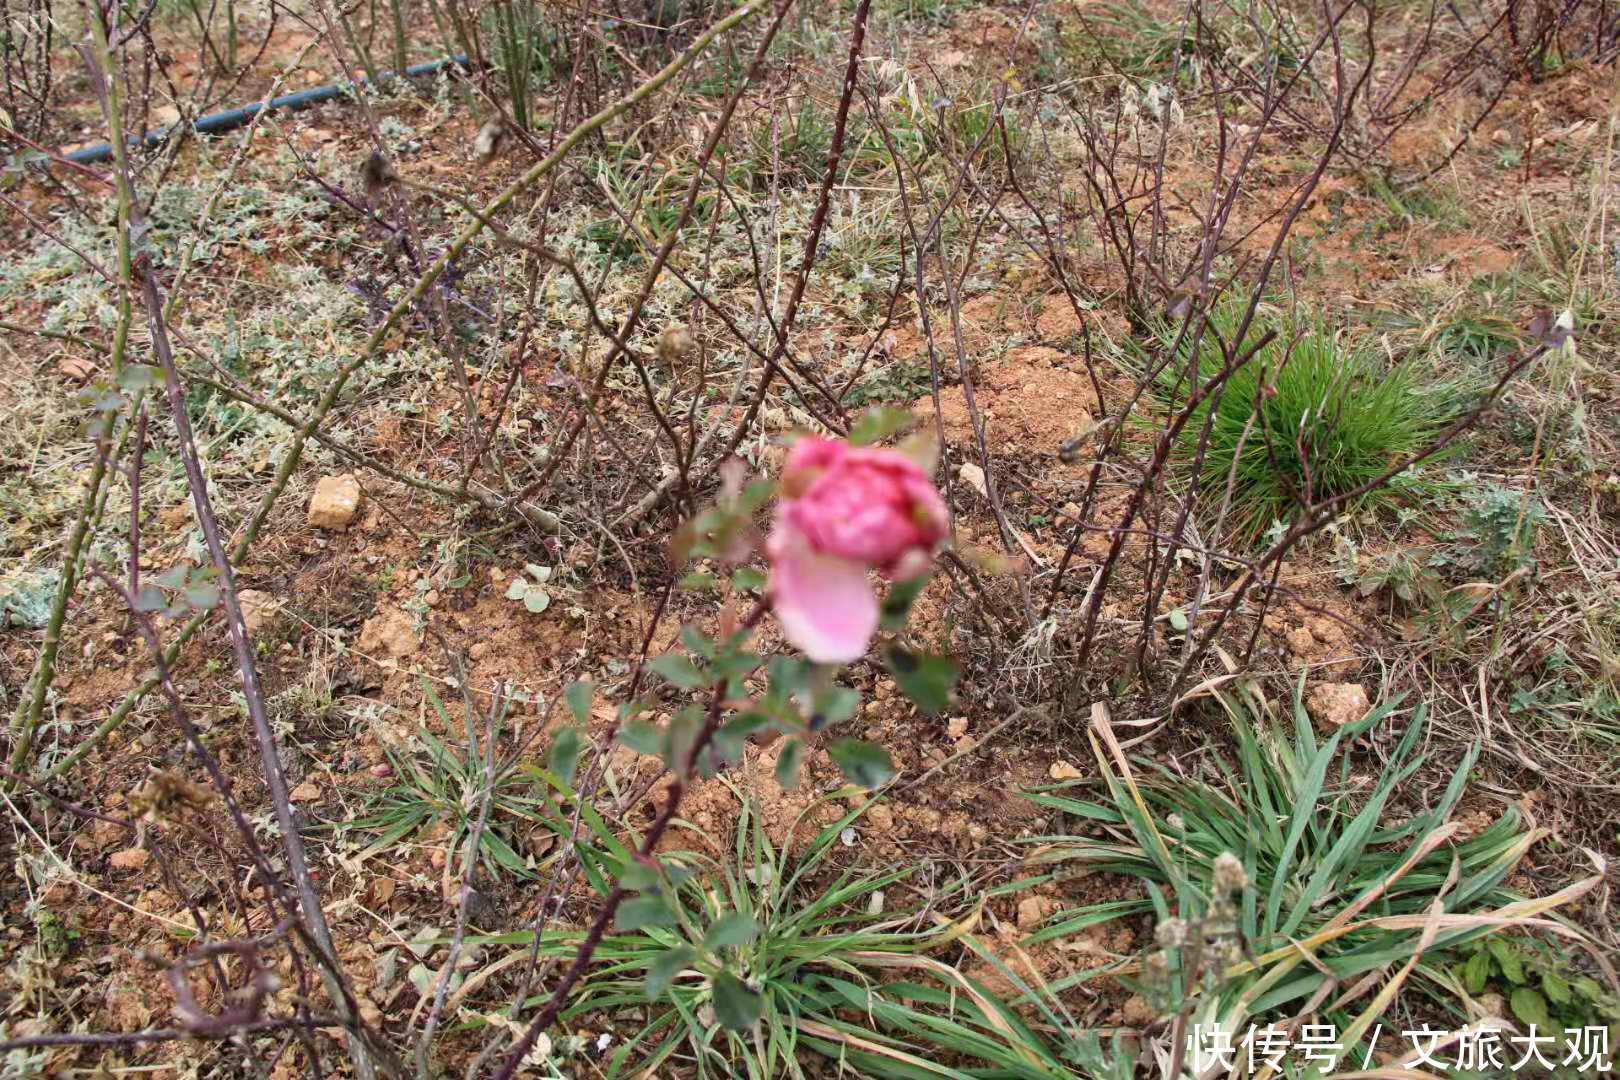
column 846, row 510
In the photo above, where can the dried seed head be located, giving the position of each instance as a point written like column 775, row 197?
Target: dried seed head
column 1229, row 876
column 376, row 174
column 488, row 141
column 675, row 342
column 1171, row 933
column 1225, row 952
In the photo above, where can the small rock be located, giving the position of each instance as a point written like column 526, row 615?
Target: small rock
column 956, row 727
column 1032, row 911
column 335, row 503
column 383, row 771
column 390, row 633
column 1300, row 642
column 1062, row 770
column 129, row 859
column 76, row 368
column 305, row 792
column 259, row 609
column 478, row 650
column 973, row 476
column 1337, row 704
column 881, row 818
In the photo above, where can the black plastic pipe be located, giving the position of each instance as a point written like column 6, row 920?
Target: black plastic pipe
column 235, row 118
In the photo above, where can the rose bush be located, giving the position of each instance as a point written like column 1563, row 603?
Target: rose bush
column 845, row 511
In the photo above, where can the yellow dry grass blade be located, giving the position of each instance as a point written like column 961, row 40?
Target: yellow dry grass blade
column 1386, row 997
column 947, row 974
column 822, row 1031
column 1102, row 727
column 1419, row 853
column 1522, row 913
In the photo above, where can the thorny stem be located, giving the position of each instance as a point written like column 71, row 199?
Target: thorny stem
column 649, row 843
column 373, row 344
column 689, row 204
column 31, row 710
column 269, row 754
column 812, row 240
column 135, row 1038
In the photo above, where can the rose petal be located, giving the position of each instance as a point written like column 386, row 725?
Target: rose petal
column 825, row 604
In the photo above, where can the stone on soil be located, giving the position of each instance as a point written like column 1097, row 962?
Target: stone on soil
column 335, row 503
column 1338, row 704
column 388, row 633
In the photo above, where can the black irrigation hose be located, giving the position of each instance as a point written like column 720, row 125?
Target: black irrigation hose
column 235, row 118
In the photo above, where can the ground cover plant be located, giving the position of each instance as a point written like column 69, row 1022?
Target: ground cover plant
column 1311, row 415
column 744, row 539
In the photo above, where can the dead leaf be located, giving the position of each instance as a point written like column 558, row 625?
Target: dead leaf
column 379, row 892
column 76, row 368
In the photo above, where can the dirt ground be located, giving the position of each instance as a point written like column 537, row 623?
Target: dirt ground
column 361, row 633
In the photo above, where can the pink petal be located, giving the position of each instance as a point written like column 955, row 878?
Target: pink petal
column 825, row 604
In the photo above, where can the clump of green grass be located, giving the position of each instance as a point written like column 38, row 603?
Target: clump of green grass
column 1293, row 874
column 527, row 51
column 1313, row 415
column 443, row 787
column 733, row 965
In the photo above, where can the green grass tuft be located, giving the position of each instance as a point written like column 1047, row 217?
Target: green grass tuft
column 1329, row 875
column 1331, row 416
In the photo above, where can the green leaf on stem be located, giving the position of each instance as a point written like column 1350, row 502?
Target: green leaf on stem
column 735, row 1006
column 643, row 911
column 862, row 762
column 565, row 751
column 877, row 424
column 662, row 971
column 923, row 677
column 642, row 737
column 746, row 577
column 897, row 604
column 732, row 930
column 202, row 595
column 787, row 764
column 638, row 877
column 679, row 670
column 140, row 377
column 832, row 705
column 579, row 695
